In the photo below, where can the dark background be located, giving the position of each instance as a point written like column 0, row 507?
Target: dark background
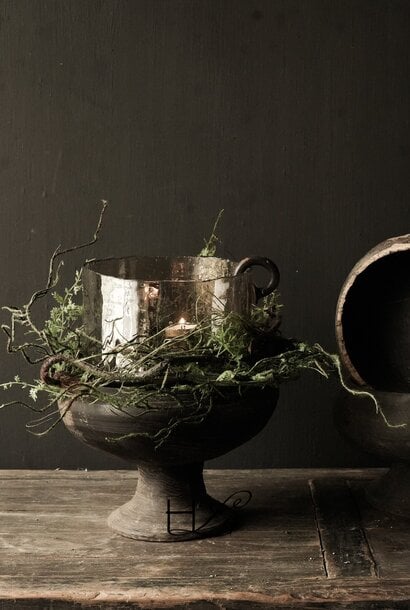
column 291, row 115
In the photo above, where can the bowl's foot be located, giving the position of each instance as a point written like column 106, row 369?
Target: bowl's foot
column 391, row 493
column 171, row 505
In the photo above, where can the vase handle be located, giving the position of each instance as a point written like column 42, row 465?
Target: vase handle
column 266, row 263
column 46, row 376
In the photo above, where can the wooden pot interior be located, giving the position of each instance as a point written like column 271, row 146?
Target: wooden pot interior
column 376, row 323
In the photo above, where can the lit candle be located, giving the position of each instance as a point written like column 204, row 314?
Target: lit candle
column 151, row 292
column 179, row 330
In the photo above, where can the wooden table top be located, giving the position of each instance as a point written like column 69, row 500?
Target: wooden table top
column 307, row 540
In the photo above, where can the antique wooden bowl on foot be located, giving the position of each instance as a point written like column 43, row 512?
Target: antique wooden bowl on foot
column 171, row 502
column 129, row 301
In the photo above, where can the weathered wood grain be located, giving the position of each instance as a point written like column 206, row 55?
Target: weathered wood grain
column 388, row 537
column 257, row 475
column 56, row 551
column 345, row 549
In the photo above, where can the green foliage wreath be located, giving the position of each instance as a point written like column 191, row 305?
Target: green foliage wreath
column 242, row 352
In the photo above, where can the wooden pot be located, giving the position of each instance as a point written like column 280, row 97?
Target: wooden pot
column 373, row 335
column 359, row 421
column 171, row 491
column 373, row 318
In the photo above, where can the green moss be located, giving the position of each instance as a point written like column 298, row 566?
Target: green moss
column 237, row 353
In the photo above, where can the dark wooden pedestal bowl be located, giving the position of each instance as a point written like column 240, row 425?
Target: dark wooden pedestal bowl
column 171, row 490
column 358, row 420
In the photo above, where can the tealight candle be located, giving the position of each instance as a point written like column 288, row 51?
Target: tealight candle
column 179, row 330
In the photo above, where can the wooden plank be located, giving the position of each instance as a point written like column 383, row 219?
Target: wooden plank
column 56, row 551
column 259, row 476
column 352, row 594
column 63, row 525
column 271, row 499
column 344, row 545
column 388, row 537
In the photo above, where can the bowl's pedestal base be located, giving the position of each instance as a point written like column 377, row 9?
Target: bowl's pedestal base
column 170, row 505
column 391, row 493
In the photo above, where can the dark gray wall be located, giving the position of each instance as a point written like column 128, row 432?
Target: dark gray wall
column 291, row 115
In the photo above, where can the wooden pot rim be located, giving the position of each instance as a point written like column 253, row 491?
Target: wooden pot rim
column 392, row 245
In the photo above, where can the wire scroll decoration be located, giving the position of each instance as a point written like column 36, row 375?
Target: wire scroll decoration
column 237, row 500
